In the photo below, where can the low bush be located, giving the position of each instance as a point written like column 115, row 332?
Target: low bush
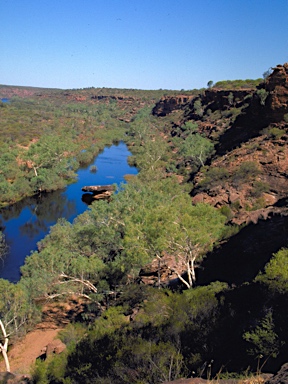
column 213, row 177
column 259, row 188
column 245, row 172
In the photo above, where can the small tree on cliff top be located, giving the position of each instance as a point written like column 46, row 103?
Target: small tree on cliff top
column 210, row 84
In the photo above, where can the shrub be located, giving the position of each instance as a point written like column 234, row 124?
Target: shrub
column 230, row 98
column 226, row 211
column 213, row 176
column 275, row 133
column 236, row 205
column 198, row 108
column 246, row 171
column 258, row 188
column 259, row 203
column 262, row 93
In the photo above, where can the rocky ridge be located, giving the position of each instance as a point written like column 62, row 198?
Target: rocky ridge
column 247, row 175
column 248, row 171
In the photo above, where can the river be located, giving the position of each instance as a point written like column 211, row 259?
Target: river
column 27, row 222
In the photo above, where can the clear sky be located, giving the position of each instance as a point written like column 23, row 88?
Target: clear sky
column 144, row 44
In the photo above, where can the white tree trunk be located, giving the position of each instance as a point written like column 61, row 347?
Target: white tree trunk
column 4, row 347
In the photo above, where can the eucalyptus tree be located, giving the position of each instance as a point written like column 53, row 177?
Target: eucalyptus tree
column 62, row 266
column 165, row 221
column 196, row 149
column 196, row 229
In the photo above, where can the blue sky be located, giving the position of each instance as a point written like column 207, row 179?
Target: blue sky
column 144, row 44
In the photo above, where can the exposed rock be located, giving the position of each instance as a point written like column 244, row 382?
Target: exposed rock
column 54, row 348
column 168, row 104
column 243, row 194
column 259, row 115
column 98, row 192
column 163, row 269
column 281, row 377
column 99, row 188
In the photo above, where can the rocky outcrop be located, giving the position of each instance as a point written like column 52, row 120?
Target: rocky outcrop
column 99, row 191
column 281, row 377
column 54, row 348
column 257, row 139
column 112, row 97
column 267, row 107
column 169, row 104
column 162, row 271
column 249, row 197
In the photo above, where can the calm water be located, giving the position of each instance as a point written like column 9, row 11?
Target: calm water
column 27, row 222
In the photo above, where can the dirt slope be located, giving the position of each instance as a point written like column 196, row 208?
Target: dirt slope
column 26, row 351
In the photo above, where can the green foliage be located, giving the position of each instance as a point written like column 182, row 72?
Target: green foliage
column 230, row 230
column 263, row 339
column 259, row 187
column 198, row 108
column 213, row 176
column 146, row 359
column 247, row 171
column 49, row 162
column 262, row 93
column 226, row 211
column 196, row 148
column 210, row 84
column 72, row 334
column 274, row 132
column 39, row 372
column 154, row 346
column 16, row 313
column 275, row 275
column 230, row 98
column 63, row 265
column 99, row 256
column 259, row 203
column 189, row 127
column 237, row 84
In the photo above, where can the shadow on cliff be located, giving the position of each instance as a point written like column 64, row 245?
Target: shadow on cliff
column 247, row 125
column 245, row 254
column 237, row 262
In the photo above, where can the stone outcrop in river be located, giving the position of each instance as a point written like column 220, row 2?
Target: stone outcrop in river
column 100, row 191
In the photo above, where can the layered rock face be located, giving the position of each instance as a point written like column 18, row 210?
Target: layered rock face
column 169, row 104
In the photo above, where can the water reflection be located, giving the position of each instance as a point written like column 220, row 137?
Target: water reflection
column 48, row 209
